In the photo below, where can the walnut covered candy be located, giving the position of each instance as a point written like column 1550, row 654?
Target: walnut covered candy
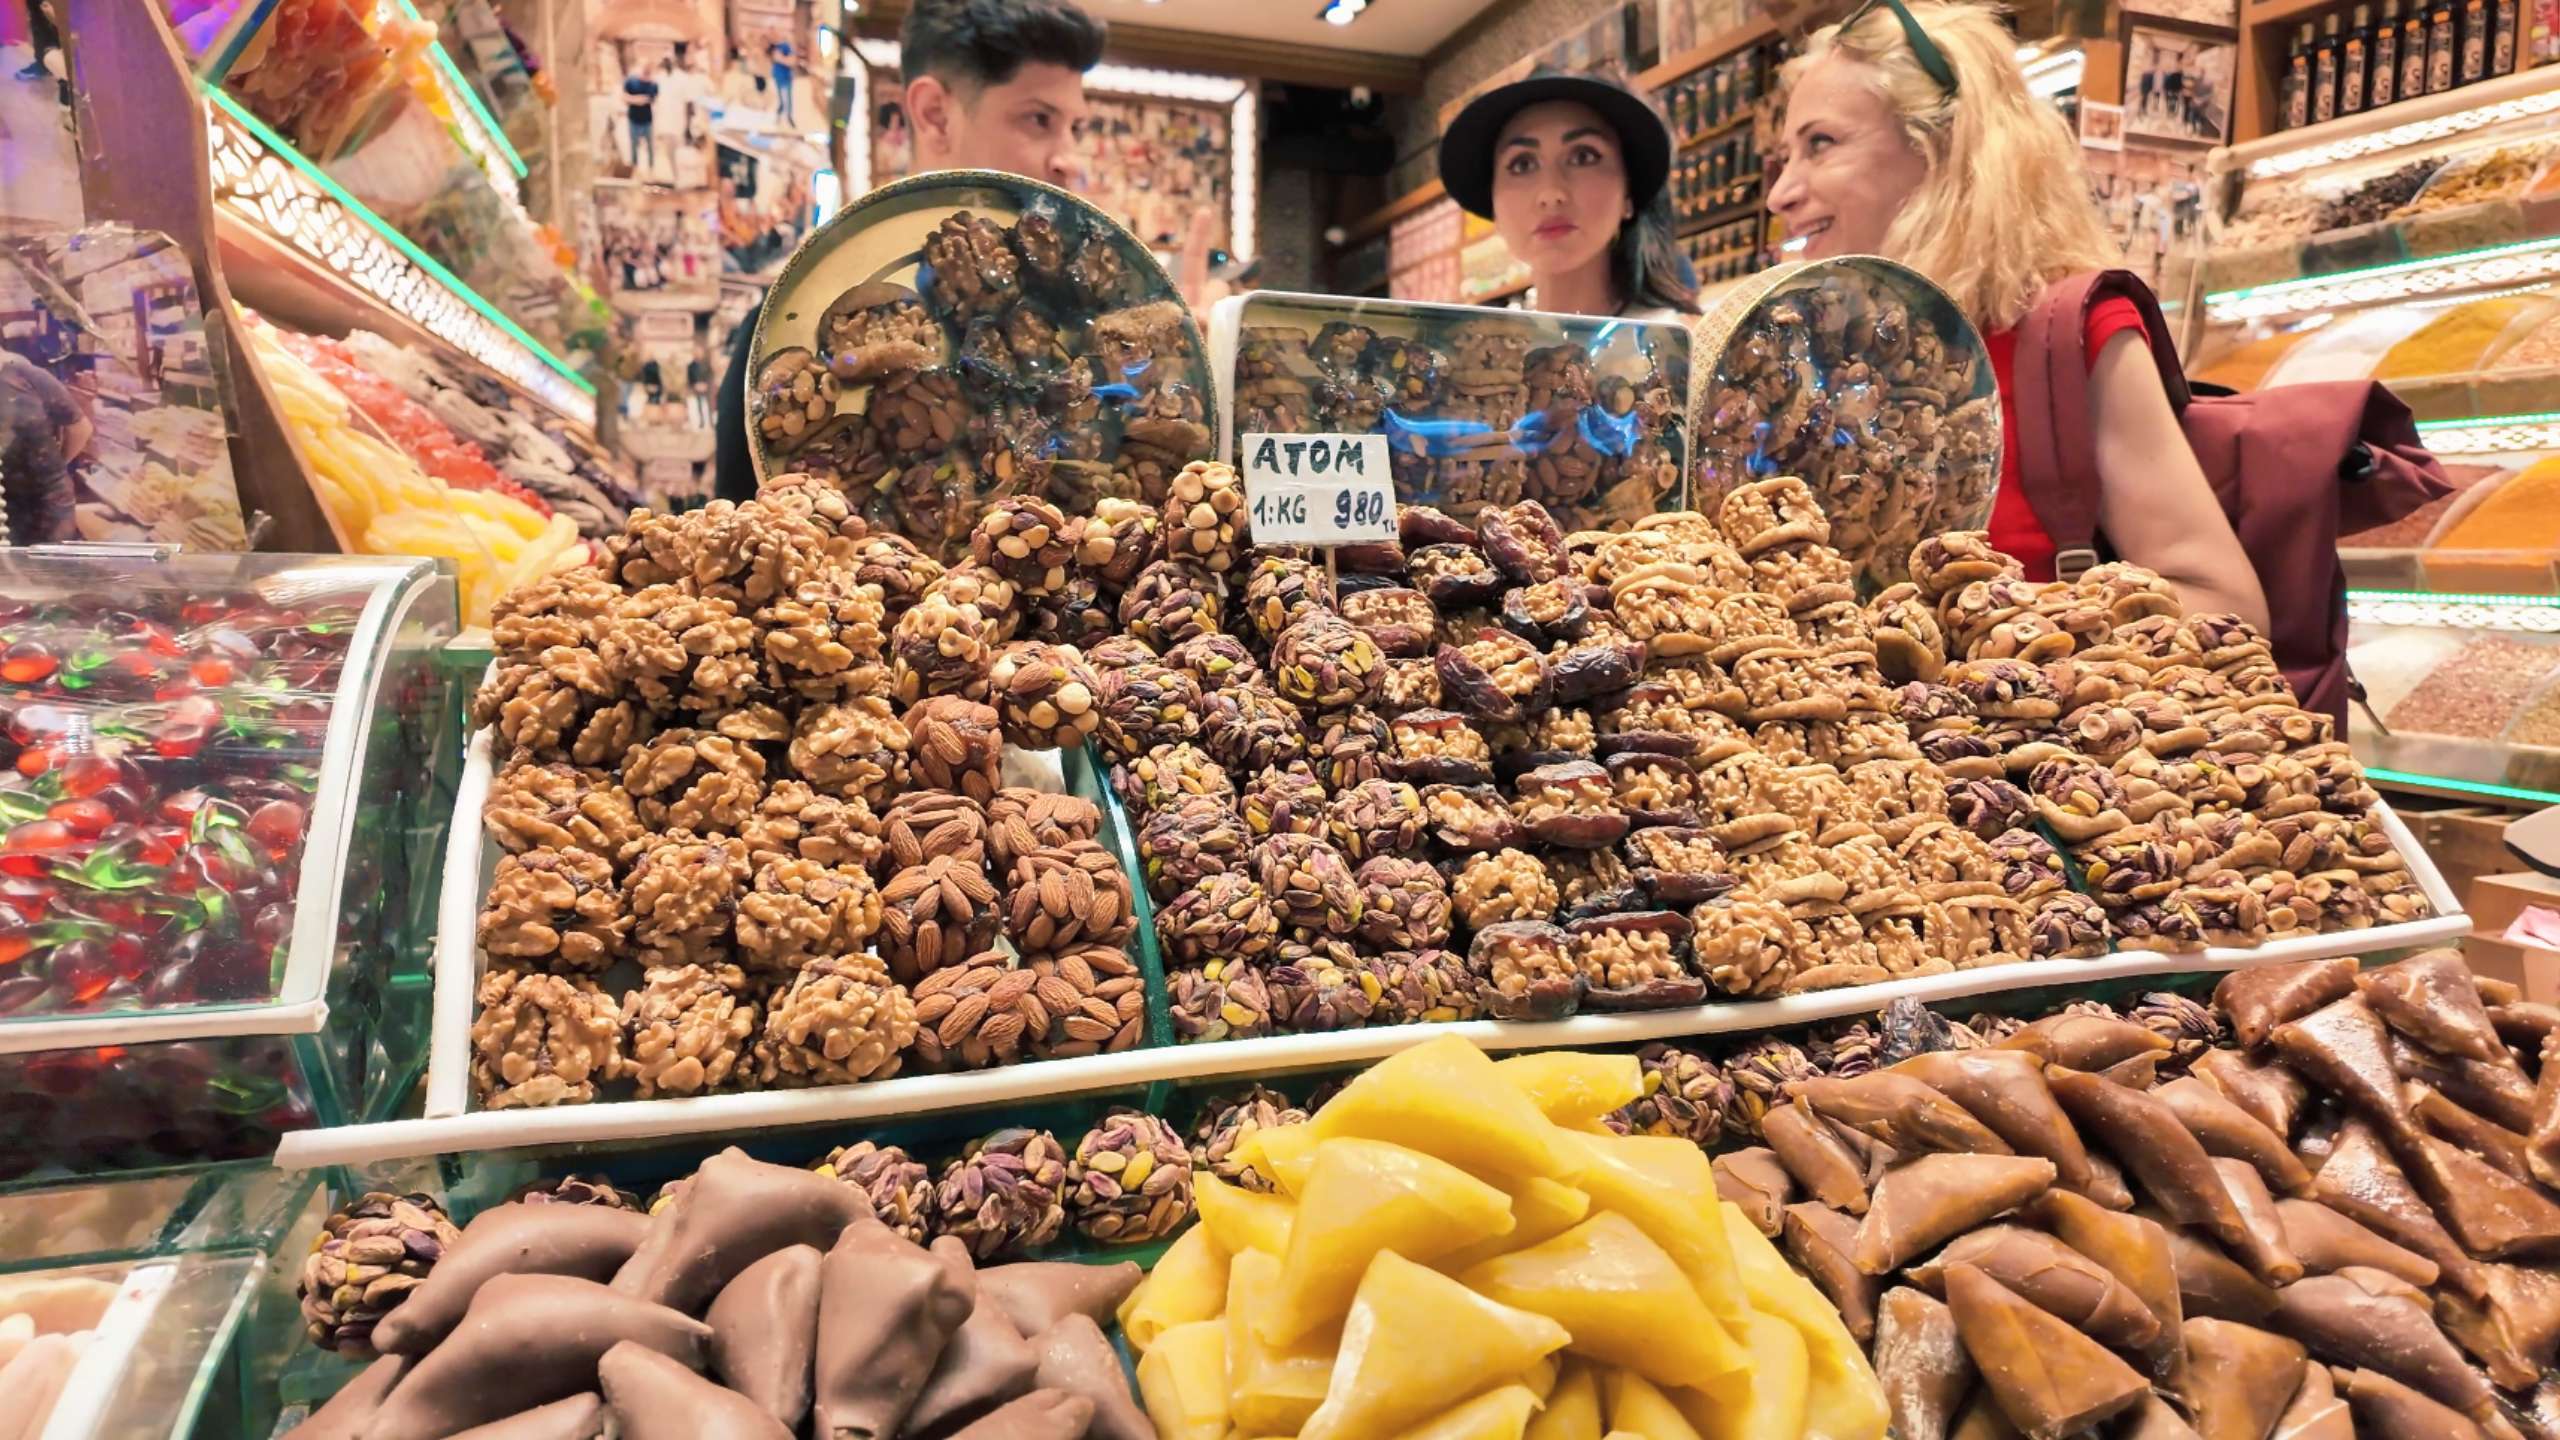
column 1045, row 694
column 1325, row 662
column 801, row 911
column 1502, row 886
column 1438, row 747
column 1496, row 676
column 1129, row 1181
column 1635, row 960
column 899, row 1186
column 542, row 1040
column 691, row 1027
column 1204, row 517
column 1224, row 917
column 672, row 647
column 557, row 910
column 1065, row 896
column 1218, row 1142
column 854, row 749
column 682, row 892
column 958, row 745
column 794, row 821
column 561, row 704
column 1399, row 621
column 1528, row 970
column 556, row 805
column 969, row 269
column 1745, row 945
column 1005, row 1195
column 842, row 1020
column 694, row 780
column 1572, row 804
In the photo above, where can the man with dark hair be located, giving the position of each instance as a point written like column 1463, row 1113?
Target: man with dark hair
column 990, row 85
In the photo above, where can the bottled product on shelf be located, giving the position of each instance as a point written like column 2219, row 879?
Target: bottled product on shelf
column 2345, row 62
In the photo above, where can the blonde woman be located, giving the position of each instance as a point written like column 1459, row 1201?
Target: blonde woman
column 1910, row 133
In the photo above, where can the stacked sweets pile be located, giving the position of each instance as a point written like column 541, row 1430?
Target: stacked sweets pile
column 2199, row 802
column 2325, row 1207
column 1502, row 770
column 1024, row 360
column 752, row 761
column 750, row 1302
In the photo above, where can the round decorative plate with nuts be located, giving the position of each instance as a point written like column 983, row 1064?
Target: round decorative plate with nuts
column 963, row 336
column 1863, row 379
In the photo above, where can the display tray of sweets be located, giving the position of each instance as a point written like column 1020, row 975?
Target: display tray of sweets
column 1480, row 408
column 965, row 336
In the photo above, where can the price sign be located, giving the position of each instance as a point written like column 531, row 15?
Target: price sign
column 1320, row 490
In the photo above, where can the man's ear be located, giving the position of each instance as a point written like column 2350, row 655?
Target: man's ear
column 929, row 113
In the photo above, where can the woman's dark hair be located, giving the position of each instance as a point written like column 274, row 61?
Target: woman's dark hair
column 987, row 42
column 1646, row 264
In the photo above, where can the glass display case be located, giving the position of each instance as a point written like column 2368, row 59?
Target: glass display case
column 214, row 840
column 1479, row 407
column 2419, row 247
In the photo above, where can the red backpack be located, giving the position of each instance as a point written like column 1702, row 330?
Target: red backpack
column 2294, row 468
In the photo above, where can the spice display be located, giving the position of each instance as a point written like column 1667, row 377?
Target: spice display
column 2475, row 692
column 2462, row 339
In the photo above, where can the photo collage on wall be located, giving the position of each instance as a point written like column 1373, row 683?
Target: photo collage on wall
column 709, row 133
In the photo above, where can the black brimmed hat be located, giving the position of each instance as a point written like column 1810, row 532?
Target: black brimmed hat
column 1466, row 151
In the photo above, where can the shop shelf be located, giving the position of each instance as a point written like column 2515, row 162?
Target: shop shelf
column 450, row 1127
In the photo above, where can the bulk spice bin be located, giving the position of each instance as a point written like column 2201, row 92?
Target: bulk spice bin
column 215, row 826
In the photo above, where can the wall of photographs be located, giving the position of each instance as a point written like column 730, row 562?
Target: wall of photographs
column 708, row 124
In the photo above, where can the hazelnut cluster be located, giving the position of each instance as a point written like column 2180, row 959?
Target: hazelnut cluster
column 750, row 802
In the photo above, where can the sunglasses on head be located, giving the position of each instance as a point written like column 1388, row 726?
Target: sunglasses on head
column 1933, row 61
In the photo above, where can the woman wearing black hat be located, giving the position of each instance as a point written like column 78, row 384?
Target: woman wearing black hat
column 1571, row 169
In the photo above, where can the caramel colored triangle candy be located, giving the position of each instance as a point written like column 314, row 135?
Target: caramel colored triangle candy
column 2497, row 1089
column 2239, row 1378
column 2326, row 1241
column 1040, row 1415
column 2211, row 1283
column 2257, row 1208
column 2262, row 997
column 1824, row 1243
column 1445, row 1098
column 2006, row 1091
column 1922, row 1363
column 764, row 1331
column 2167, row 1159
column 1754, row 1180
column 2055, row 1276
column 2516, row 1331
column 1923, row 1203
column 655, row 1398
column 2051, row 1380
column 1077, row 1358
column 1574, row 1087
column 2154, row 1419
column 2343, row 1050
column 2345, row 1324
column 2135, row 1251
column 1365, row 1197
column 1621, row 1297
column 2084, row 1042
column 588, row 1241
column 1983, row 1420
column 2430, row 998
column 2493, row 1215
column 1900, row 1110
column 2542, row 1140
column 886, row 1309
column 1414, row 1343
column 2494, row 1143
column 2385, row 1409
column 2226, row 1130
column 2273, row 1095
column 1495, row 1415
column 2361, row 1181
column 2316, row 1412
column 1037, row 1294
column 1817, row 1157
column 527, row 1340
column 732, row 1213
column 580, row 1417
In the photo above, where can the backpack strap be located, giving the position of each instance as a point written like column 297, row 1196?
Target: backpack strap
column 2057, row 433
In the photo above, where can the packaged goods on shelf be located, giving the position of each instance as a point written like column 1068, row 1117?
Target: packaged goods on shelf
column 383, row 504
column 202, row 837
column 1479, row 408
column 1037, row 350
column 317, row 69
